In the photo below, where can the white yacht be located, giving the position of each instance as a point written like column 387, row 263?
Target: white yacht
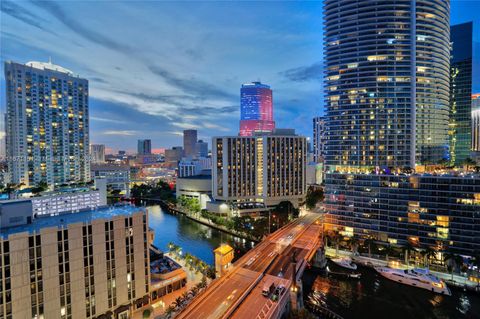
column 417, row 277
column 345, row 262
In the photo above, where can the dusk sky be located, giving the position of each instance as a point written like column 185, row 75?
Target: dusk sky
column 156, row 68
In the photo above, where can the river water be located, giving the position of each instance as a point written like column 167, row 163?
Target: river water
column 371, row 297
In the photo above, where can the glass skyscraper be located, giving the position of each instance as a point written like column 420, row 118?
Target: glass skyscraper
column 461, row 92
column 256, row 109
column 387, row 82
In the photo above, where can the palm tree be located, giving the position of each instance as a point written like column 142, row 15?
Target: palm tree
column 408, row 248
column 389, row 250
column 335, row 238
column 427, row 254
column 369, row 242
column 178, row 302
column 354, row 241
column 452, row 261
column 169, row 311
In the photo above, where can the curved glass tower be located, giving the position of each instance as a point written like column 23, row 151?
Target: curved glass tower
column 386, row 83
column 256, row 109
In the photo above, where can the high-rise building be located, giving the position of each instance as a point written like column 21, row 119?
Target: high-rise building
column 386, row 83
column 47, row 126
column 319, row 138
column 266, row 169
column 189, row 143
column 476, row 122
column 84, row 265
column 461, row 37
column 201, row 149
column 387, row 110
column 144, row 147
column 97, row 153
column 173, row 155
column 256, row 109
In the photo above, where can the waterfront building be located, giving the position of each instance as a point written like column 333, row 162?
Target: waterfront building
column 461, row 36
column 97, row 152
column 198, row 187
column 189, row 143
column 440, row 211
column 476, row 123
column 387, row 116
column 264, row 169
column 91, row 264
column 116, row 176
column 256, row 109
column 319, row 138
column 201, row 149
column 47, row 124
column 387, row 105
column 144, row 147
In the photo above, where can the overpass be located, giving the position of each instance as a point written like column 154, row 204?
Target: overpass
column 280, row 258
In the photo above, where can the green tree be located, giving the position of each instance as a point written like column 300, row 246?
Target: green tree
column 407, row 249
column 370, row 244
column 388, row 250
column 314, row 196
column 427, row 254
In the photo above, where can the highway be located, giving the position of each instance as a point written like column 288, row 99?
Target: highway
column 239, row 292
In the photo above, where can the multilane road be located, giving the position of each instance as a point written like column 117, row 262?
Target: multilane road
column 238, row 293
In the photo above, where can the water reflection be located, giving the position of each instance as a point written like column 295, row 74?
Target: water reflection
column 376, row 297
column 194, row 238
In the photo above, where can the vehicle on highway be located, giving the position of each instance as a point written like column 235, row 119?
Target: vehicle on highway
column 278, row 292
column 268, row 288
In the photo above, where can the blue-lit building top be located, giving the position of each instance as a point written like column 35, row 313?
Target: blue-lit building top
column 256, row 109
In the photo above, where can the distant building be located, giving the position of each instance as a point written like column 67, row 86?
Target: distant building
column 319, row 138
column 173, row 156
column 86, row 265
column 476, row 123
column 461, row 37
column 189, row 143
column 117, row 176
column 265, row 169
column 256, row 109
column 144, row 147
column 97, row 153
column 47, row 126
column 187, row 167
column 198, row 187
column 201, row 149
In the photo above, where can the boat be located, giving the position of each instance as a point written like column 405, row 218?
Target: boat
column 417, row 277
column 345, row 262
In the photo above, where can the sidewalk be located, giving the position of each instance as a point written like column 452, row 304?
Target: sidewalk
column 366, row 261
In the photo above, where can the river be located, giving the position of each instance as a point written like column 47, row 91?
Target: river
column 194, row 238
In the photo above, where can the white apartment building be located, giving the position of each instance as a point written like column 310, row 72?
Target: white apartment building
column 47, row 126
column 84, row 265
column 117, row 176
column 97, row 153
column 265, row 169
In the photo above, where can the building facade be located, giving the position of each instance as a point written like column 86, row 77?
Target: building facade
column 189, row 143
column 267, row 169
column 386, row 83
column 144, row 147
column 256, row 109
column 97, row 153
column 461, row 36
column 201, row 149
column 319, row 138
column 47, row 126
column 84, row 265
column 476, row 123
column 117, row 176
column 440, row 211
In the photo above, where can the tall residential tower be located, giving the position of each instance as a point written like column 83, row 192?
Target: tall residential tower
column 47, row 127
column 256, row 109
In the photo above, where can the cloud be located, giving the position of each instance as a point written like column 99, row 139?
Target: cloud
column 101, row 119
column 22, row 14
column 305, row 73
column 77, row 27
column 120, row 133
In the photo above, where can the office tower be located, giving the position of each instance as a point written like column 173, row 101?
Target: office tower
column 189, row 142
column 387, row 83
column 201, row 149
column 319, row 138
column 461, row 92
column 144, row 147
column 47, row 127
column 267, row 169
column 476, row 122
column 256, row 109
column 84, row 265
column 173, row 155
column 97, row 153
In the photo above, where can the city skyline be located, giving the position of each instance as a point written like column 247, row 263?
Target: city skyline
column 127, row 82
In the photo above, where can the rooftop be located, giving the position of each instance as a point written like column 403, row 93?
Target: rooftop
column 48, row 66
column 71, row 218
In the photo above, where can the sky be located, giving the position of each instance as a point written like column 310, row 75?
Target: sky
column 157, row 68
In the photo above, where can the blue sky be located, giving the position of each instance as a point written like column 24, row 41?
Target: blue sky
column 156, row 68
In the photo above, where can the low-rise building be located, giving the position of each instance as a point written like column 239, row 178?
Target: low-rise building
column 117, row 176
column 198, row 187
column 91, row 264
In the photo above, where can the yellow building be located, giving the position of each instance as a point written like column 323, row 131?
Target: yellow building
column 223, row 259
